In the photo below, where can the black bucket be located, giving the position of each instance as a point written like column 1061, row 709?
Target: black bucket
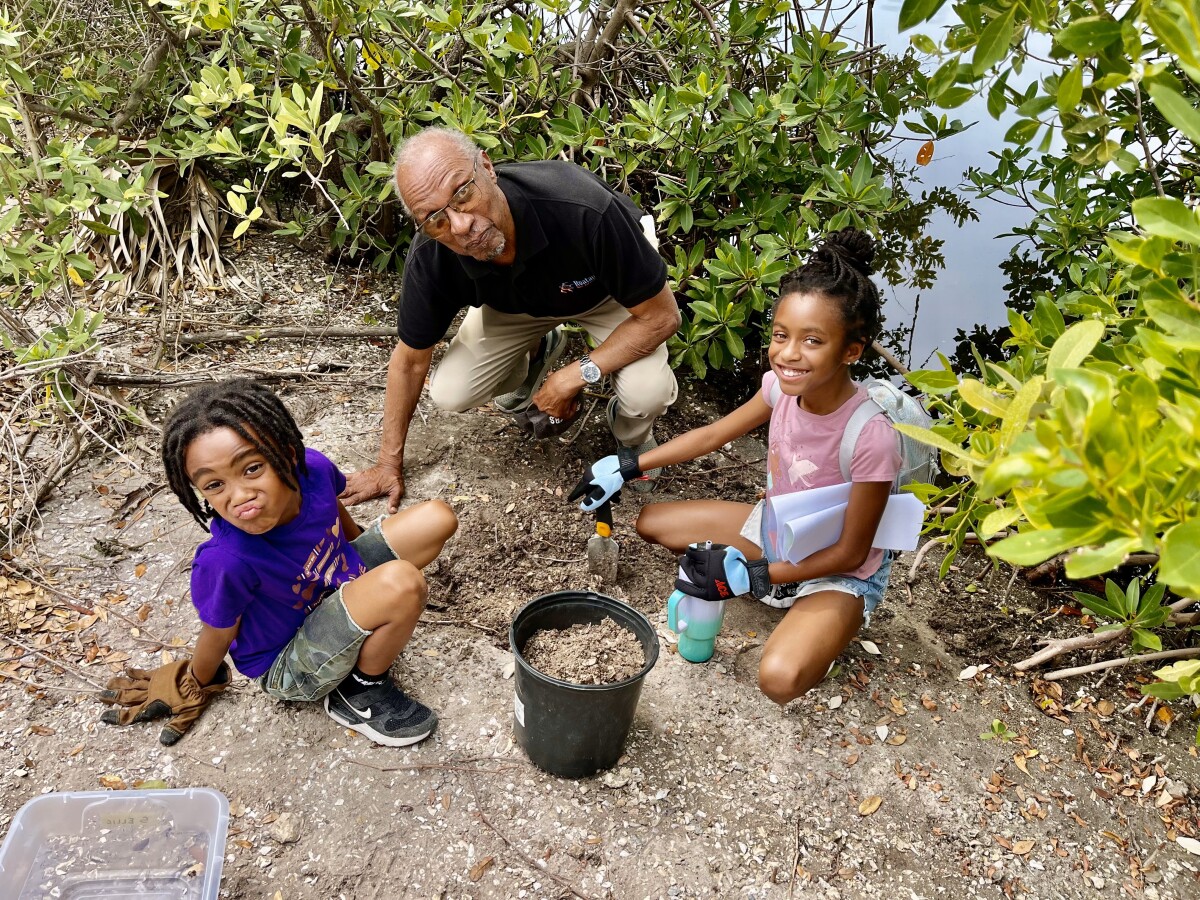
column 575, row 730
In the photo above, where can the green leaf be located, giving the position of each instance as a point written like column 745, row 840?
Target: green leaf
column 1176, row 110
column 1032, row 547
column 943, row 78
column 1022, row 132
column 933, row 439
column 982, row 397
column 914, row 12
column 1017, row 416
column 1167, row 217
column 1176, row 317
column 1147, row 639
column 994, row 41
column 1179, row 565
column 1099, row 606
column 1073, row 345
column 1098, row 560
column 1088, row 35
column 1070, row 90
column 998, row 520
column 518, row 41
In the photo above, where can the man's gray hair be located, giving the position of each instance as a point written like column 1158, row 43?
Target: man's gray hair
column 411, row 145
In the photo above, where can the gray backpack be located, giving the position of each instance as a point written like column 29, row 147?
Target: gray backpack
column 918, row 462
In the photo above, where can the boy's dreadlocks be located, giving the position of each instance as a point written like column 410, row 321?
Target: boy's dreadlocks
column 250, row 409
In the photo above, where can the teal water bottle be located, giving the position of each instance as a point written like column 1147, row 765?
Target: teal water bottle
column 697, row 622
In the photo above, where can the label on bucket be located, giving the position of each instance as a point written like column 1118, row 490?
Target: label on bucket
column 519, row 710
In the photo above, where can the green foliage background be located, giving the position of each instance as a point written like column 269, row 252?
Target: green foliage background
column 745, row 128
column 130, row 129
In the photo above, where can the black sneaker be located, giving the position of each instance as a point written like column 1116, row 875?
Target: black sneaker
column 783, row 596
column 385, row 714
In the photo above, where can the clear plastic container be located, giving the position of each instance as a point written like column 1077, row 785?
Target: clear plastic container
column 109, row 845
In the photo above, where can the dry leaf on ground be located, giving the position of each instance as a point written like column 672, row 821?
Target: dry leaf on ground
column 868, row 806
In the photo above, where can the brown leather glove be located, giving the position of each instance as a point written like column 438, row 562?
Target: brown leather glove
column 170, row 690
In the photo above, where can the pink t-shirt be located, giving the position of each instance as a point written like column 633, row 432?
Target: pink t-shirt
column 803, row 451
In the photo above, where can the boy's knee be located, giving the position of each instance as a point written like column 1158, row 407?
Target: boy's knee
column 404, row 584
column 441, row 518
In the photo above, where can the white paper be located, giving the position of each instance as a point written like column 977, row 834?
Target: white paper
column 801, row 523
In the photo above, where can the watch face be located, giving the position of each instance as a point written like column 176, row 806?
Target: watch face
column 591, row 371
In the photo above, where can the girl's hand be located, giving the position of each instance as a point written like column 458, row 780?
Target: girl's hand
column 605, row 479
column 717, row 572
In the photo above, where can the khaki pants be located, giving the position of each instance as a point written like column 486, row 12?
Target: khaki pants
column 490, row 356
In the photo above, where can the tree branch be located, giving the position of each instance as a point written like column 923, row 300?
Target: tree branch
column 1185, row 653
column 261, row 334
column 1055, row 648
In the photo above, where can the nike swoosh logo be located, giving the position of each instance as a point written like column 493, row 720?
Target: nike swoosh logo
column 362, row 712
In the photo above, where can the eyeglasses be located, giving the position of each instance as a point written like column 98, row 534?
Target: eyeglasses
column 438, row 223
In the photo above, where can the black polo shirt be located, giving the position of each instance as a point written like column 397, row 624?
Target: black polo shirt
column 578, row 241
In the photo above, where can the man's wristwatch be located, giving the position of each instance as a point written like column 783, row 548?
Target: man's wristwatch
column 590, row 371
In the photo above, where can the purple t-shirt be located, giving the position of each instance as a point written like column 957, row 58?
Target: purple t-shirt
column 272, row 581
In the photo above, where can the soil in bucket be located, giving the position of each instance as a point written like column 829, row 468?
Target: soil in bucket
column 603, row 653
column 566, row 727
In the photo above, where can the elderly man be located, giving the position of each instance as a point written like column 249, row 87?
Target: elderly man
column 527, row 246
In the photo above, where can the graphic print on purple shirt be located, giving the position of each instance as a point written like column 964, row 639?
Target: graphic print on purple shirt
column 273, row 581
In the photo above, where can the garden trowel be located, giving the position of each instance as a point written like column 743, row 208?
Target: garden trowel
column 602, row 549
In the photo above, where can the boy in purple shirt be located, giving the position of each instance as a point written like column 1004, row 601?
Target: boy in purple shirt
column 301, row 598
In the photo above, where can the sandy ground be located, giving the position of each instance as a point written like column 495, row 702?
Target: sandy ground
column 879, row 783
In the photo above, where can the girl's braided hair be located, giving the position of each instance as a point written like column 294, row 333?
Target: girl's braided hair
column 840, row 270
column 250, row 409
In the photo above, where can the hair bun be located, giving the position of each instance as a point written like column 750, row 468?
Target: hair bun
column 853, row 247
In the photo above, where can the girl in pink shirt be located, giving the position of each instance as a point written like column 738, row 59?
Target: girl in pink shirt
column 826, row 315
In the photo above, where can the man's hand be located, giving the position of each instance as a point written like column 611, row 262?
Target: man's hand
column 605, row 479
column 170, row 690
column 377, row 481
column 559, row 392
column 717, row 572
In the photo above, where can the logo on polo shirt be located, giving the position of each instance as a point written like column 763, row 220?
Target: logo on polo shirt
column 569, row 287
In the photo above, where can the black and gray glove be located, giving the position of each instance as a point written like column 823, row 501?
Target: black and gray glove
column 717, row 572
column 605, row 479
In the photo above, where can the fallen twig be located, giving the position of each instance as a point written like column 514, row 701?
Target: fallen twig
column 262, row 334
column 50, row 659
column 1185, row 653
column 4, row 676
column 525, row 858
column 457, row 766
column 177, row 380
column 492, row 631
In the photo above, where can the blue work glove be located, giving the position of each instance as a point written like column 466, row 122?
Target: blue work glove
column 605, row 479
column 717, row 572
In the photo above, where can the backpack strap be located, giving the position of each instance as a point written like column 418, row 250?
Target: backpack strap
column 774, row 394
column 866, row 411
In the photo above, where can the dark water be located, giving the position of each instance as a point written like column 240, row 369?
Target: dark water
column 970, row 289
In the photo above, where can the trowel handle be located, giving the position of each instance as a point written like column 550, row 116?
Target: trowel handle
column 604, row 514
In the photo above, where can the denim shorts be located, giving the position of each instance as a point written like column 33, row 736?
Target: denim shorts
column 870, row 589
column 326, row 647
